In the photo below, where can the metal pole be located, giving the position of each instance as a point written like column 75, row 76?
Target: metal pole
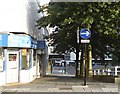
column 85, row 65
column 85, row 76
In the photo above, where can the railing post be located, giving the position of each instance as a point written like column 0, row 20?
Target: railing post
column 103, row 71
column 116, row 70
column 108, row 71
column 98, row 71
column 94, row 72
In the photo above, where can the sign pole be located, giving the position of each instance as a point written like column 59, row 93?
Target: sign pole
column 85, row 34
column 78, row 35
column 85, row 64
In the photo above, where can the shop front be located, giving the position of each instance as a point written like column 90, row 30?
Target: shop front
column 18, row 57
column 3, row 56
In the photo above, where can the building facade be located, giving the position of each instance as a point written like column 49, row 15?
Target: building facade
column 23, row 51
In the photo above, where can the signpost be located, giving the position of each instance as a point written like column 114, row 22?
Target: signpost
column 85, row 34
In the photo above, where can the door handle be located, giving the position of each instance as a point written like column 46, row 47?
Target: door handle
column 14, row 68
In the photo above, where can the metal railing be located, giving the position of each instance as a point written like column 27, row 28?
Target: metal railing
column 115, row 71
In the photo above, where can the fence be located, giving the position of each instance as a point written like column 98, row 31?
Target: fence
column 115, row 71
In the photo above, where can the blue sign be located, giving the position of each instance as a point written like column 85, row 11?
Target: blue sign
column 33, row 43
column 19, row 40
column 41, row 44
column 3, row 40
column 85, row 34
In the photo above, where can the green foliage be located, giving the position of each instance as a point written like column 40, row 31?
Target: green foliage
column 102, row 18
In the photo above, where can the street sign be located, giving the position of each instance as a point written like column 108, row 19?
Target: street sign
column 85, row 34
column 85, row 41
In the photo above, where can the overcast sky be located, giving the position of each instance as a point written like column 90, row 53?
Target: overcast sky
column 42, row 2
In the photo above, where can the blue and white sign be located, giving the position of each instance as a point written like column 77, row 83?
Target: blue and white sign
column 85, row 34
column 15, row 40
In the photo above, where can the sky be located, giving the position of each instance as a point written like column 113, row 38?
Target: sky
column 42, row 2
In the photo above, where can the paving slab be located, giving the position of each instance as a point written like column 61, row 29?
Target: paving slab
column 78, row 89
column 110, row 89
column 87, row 89
column 65, row 84
column 96, row 90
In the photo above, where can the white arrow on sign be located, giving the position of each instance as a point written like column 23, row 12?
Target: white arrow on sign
column 86, row 33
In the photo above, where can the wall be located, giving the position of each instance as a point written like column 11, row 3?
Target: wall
column 19, row 16
column 104, row 78
column 2, row 78
column 13, row 16
column 31, row 17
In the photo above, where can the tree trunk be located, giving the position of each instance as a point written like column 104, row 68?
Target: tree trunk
column 118, row 58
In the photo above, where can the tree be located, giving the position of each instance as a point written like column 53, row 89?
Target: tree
column 102, row 18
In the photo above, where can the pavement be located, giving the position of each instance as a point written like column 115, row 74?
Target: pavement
column 61, row 83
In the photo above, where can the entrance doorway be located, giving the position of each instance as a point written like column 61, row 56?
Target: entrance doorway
column 12, row 66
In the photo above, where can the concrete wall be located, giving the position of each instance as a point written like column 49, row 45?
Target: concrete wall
column 107, row 78
column 2, row 78
column 117, row 80
column 27, row 76
column 104, row 78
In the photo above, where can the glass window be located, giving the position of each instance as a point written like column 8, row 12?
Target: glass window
column 1, row 59
column 24, row 52
column 25, row 59
column 34, row 57
column 12, row 57
column 30, row 57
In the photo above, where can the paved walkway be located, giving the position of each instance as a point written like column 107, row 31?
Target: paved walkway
column 62, row 83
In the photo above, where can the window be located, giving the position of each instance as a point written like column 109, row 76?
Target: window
column 1, row 59
column 34, row 57
column 25, row 58
column 12, row 57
